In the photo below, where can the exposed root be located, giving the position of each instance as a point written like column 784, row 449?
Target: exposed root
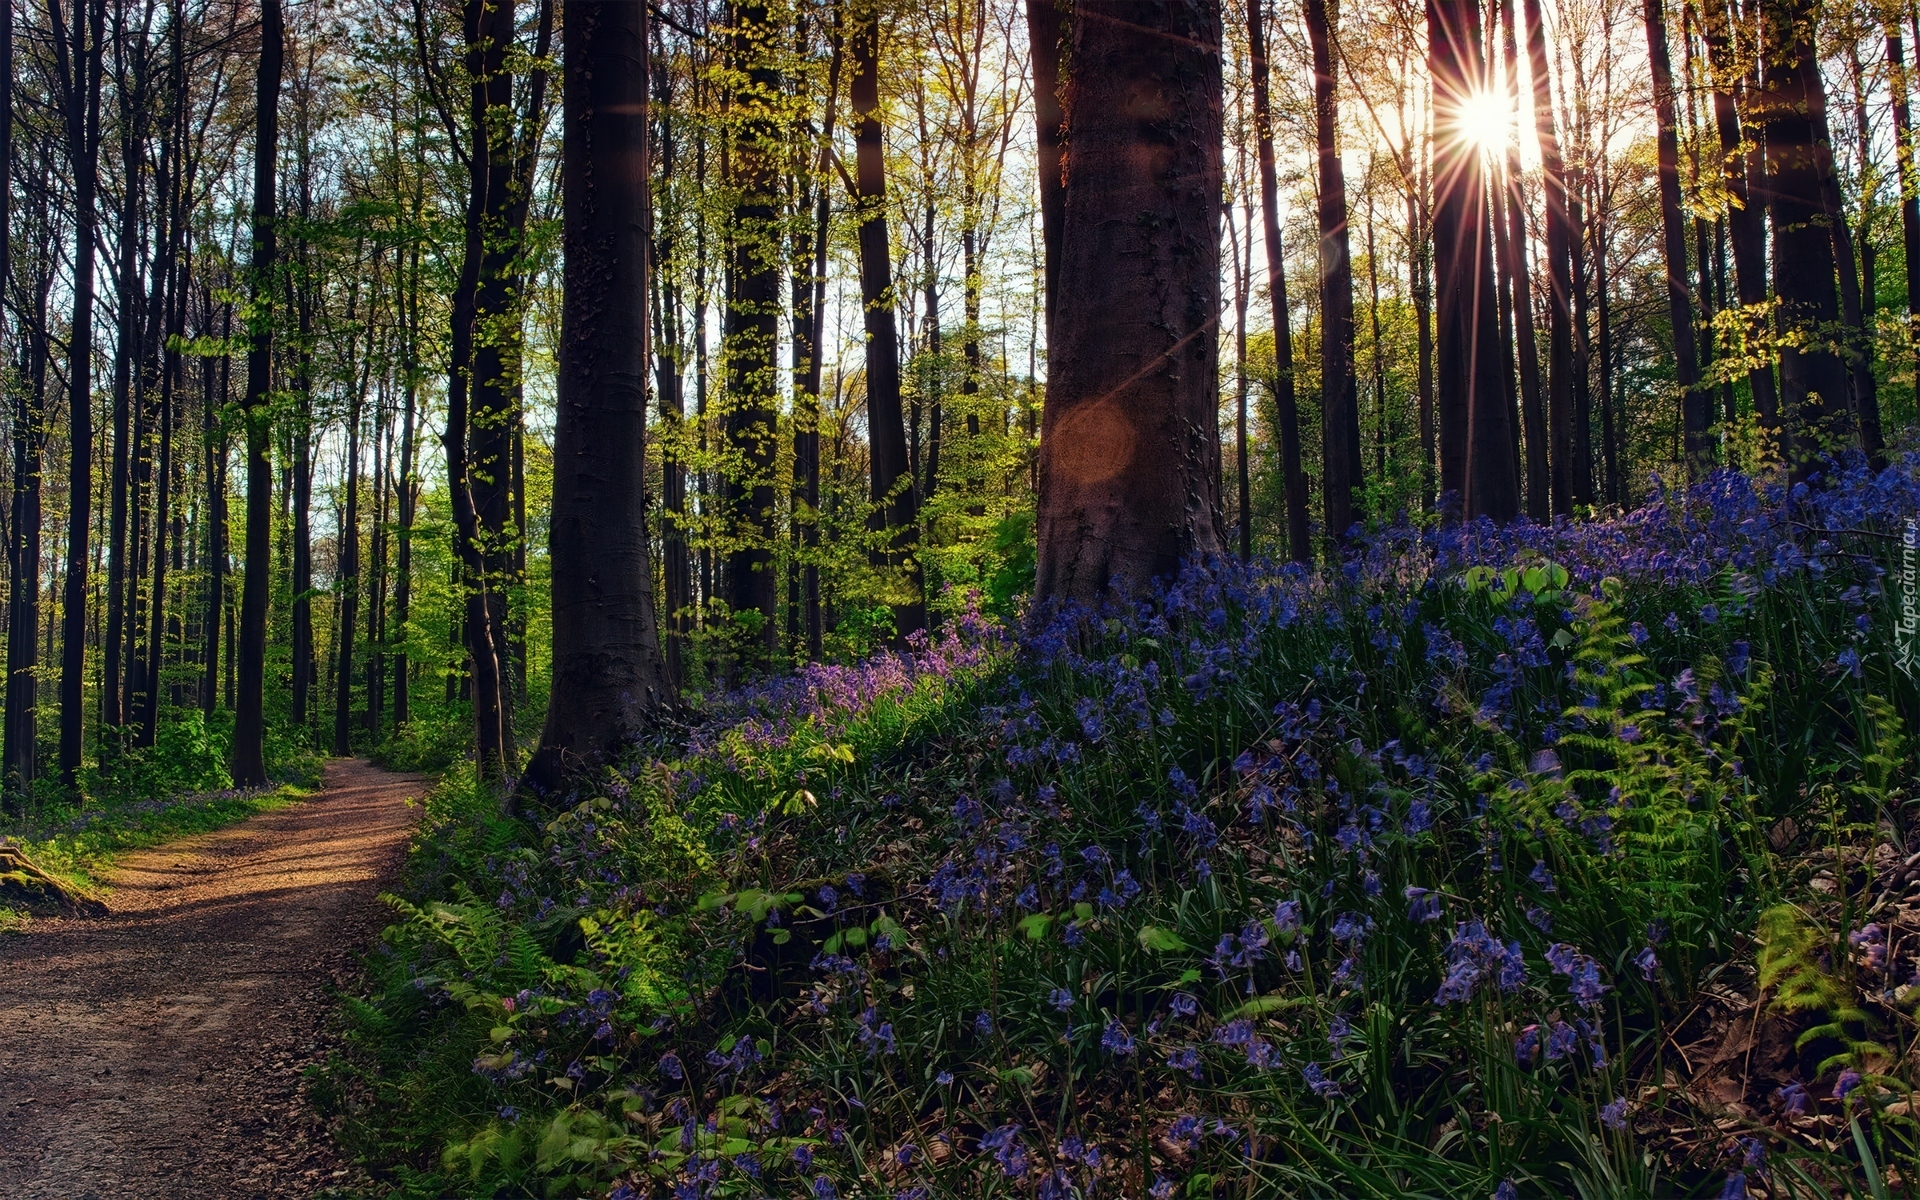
column 22, row 882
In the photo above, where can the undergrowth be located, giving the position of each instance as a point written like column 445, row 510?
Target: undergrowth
column 1522, row 862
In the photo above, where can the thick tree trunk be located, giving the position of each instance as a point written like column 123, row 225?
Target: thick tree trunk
column 608, row 673
column 896, row 507
column 1340, row 463
column 1130, row 449
column 1476, row 434
column 1813, row 380
column 1299, row 538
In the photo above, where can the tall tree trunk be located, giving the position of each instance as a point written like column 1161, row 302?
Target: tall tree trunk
column 77, row 54
column 347, row 575
column 116, row 642
column 409, row 492
column 1476, row 435
column 1695, row 404
column 608, row 673
column 1909, row 183
column 1242, row 284
column 1046, row 26
column 1862, row 401
column 1561, row 247
column 162, row 507
column 1532, row 405
column 1340, row 463
column 896, row 507
column 213, row 379
column 21, row 757
column 753, row 327
column 1299, row 538
column 1129, row 450
column 249, row 761
column 1745, row 207
column 1813, row 380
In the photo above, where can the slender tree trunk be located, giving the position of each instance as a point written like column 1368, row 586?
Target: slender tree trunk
column 1909, row 184
column 213, row 382
column 1561, row 247
column 403, row 567
column 1299, row 539
column 77, row 54
column 249, row 762
column 896, row 507
column 20, row 767
column 1340, row 462
column 347, row 575
column 1695, row 404
column 1046, row 28
column 1242, row 283
column 1129, row 452
column 1857, row 352
column 162, row 507
column 1532, row 404
column 609, row 676
column 753, row 328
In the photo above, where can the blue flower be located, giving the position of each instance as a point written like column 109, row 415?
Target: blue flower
column 1116, row 1040
column 823, row 1189
column 1423, row 905
column 1614, row 1115
column 1316, row 1079
column 1061, row 999
column 1526, row 1048
column 1793, row 1098
column 1843, row 1086
column 1506, row 1191
column 1648, row 962
column 983, row 1023
column 1286, row 917
column 1185, row 1058
column 1736, row 1187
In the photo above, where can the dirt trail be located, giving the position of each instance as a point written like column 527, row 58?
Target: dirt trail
column 156, row 1052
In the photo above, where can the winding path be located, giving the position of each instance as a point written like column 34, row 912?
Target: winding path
column 156, row 1053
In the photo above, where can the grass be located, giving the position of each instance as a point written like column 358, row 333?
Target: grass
column 1450, row 873
column 80, row 845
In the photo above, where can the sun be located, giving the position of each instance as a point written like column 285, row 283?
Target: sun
column 1485, row 120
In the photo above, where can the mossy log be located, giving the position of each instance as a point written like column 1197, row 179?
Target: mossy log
column 21, row 882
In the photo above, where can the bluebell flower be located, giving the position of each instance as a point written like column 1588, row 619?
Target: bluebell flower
column 1116, row 1040
column 1614, row 1115
column 1286, row 916
column 1753, row 1154
column 803, row 1157
column 1185, row 1058
column 1061, row 999
column 1843, row 1086
column 823, row 1189
column 1543, row 877
column 1561, row 1041
column 1183, row 1005
column 1540, row 919
column 1506, row 1191
column 983, row 1023
column 1423, row 905
column 1526, row 1048
column 1322, row 1086
column 1186, row 1130
column 1735, row 1188
column 1648, row 962
column 1793, row 1098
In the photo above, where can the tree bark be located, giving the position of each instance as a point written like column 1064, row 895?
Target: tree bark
column 249, row 760
column 1813, row 382
column 1476, row 436
column 1047, row 24
column 609, row 676
column 1561, row 246
column 896, row 506
column 1745, row 208
column 1532, row 404
column 77, row 54
column 1299, row 538
column 1130, row 449
column 1909, row 182
column 1340, row 462
column 1695, row 404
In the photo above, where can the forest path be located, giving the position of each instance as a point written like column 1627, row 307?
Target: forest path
column 156, row 1052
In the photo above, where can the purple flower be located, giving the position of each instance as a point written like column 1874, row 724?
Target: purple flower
column 1648, row 962
column 823, row 1189
column 1506, row 1191
column 1116, row 1040
column 1185, row 1058
column 1316, row 1079
column 1736, row 1187
column 983, row 1023
column 1753, row 1154
column 1423, row 905
column 1526, row 1048
column 1061, row 999
column 1614, row 1115
column 1793, row 1098
column 1843, row 1086
column 1286, row 916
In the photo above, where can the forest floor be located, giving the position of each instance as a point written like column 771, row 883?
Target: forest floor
column 158, row 1052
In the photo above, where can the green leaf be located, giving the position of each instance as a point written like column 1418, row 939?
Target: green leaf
column 1160, row 941
column 1200, row 1185
column 831, row 945
column 856, row 935
column 1035, row 925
